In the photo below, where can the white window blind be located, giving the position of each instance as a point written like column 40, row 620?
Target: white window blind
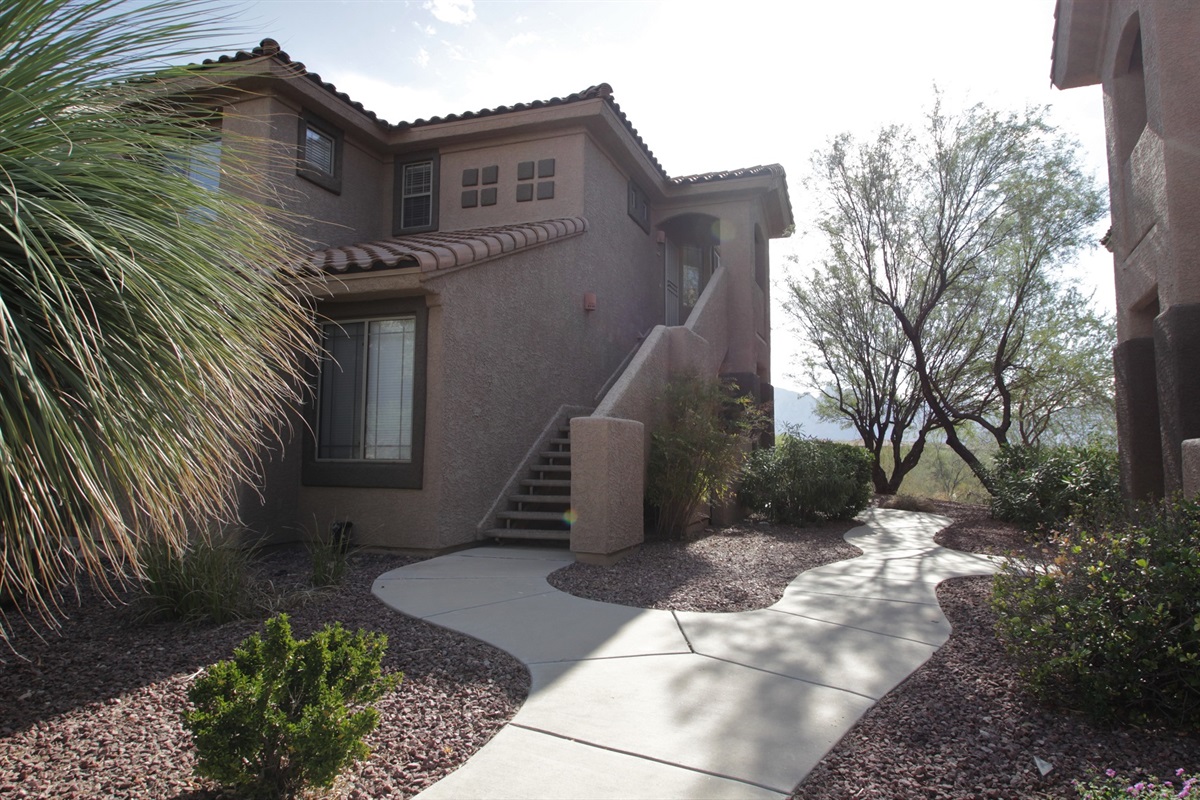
column 319, row 150
column 417, row 195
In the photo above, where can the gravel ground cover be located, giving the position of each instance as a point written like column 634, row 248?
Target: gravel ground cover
column 94, row 713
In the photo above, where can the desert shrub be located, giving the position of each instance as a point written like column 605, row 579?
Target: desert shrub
column 330, row 554
column 1044, row 485
column 1116, row 787
column 207, row 581
column 1111, row 626
column 697, row 451
column 802, row 480
column 285, row 715
column 908, row 502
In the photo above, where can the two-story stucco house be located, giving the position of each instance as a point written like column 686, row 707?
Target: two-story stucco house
column 1146, row 55
column 502, row 295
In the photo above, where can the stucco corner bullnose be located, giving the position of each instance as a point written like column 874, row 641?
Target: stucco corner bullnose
column 1191, row 467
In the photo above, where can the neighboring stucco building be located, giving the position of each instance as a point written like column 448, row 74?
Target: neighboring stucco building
column 504, row 293
column 1146, row 55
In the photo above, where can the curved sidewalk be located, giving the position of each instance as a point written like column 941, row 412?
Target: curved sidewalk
column 638, row 703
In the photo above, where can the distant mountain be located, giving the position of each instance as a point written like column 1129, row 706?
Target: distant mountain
column 793, row 407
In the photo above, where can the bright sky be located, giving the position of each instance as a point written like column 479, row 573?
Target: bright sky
column 709, row 85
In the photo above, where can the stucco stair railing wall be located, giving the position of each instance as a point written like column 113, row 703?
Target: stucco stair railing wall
column 610, row 448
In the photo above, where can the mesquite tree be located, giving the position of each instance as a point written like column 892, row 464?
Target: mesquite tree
column 956, row 237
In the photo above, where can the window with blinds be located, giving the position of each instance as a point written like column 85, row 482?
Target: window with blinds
column 319, row 150
column 417, row 195
column 365, row 410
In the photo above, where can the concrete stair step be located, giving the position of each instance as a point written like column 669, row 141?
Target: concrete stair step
column 545, row 483
column 562, row 469
column 541, row 499
column 556, row 455
column 529, row 533
column 566, row 440
column 531, row 516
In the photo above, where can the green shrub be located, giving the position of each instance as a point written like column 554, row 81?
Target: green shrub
column 330, row 555
column 284, row 715
column 1112, row 626
column 1045, row 485
column 697, row 451
column 804, row 480
column 908, row 502
column 206, row 582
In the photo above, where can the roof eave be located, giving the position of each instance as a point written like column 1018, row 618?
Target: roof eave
column 770, row 186
column 1077, row 56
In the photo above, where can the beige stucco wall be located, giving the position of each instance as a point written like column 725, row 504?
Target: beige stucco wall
column 568, row 201
column 1153, row 131
column 360, row 212
column 508, row 341
column 1155, row 191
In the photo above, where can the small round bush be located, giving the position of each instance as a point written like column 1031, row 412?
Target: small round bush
column 1046, row 485
column 284, row 715
column 1112, row 626
column 807, row 480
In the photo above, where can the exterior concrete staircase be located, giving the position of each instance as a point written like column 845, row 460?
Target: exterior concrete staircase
column 541, row 508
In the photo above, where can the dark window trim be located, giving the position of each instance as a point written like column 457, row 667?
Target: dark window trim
column 434, row 158
column 639, row 206
column 330, row 181
column 371, row 474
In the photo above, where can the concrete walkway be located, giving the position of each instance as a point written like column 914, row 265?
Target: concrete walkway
column 636, row 703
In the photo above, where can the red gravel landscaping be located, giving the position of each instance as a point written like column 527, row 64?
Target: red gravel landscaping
column 94, row 712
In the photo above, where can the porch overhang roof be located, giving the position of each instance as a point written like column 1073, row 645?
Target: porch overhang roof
column 440, row 250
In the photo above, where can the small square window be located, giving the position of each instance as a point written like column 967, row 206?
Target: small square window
column 488, row 197
column 545, row 190
column 491, row 174
column 524, row 192
column 524, row 170
column 470, row 177
column 320, row 153
column 546, row 168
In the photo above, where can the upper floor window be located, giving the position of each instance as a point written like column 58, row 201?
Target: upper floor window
column 320, row 153
column 416, row 195
column 203, row 164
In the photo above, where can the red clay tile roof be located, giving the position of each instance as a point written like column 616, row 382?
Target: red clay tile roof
column 440, row 250
column 745, row 172
column 270, row 48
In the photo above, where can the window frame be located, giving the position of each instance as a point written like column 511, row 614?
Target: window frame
column 331, row 181
column 370, row 473
column 402, row 162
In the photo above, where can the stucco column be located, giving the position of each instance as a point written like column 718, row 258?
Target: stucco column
column 607, row 473
column 1177, row 357
column 1138, row 438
